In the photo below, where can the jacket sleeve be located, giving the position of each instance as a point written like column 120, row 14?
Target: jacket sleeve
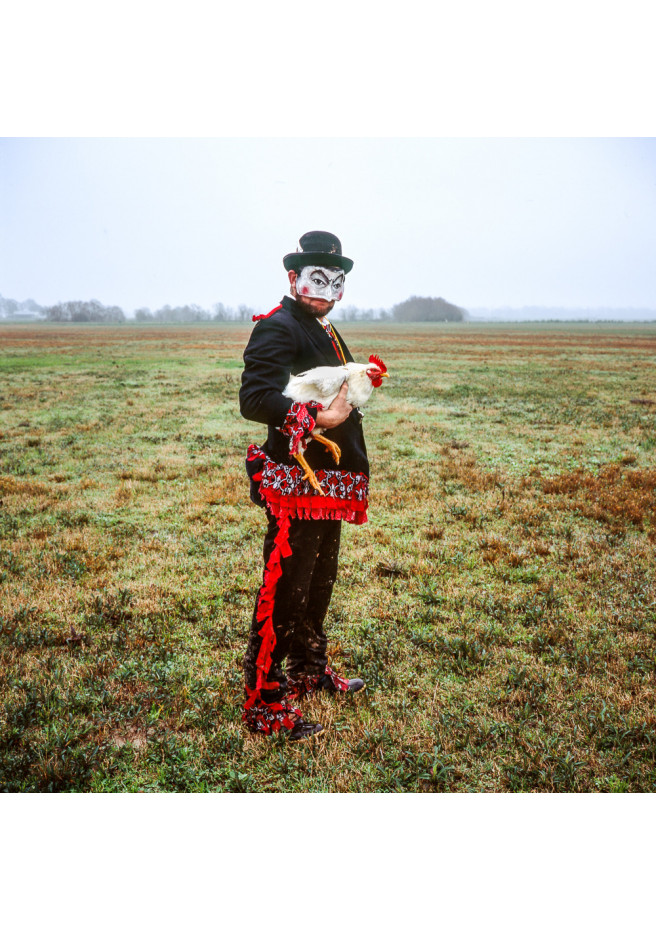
column 268, row 359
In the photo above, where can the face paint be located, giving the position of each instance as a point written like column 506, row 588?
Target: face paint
column 322, row 283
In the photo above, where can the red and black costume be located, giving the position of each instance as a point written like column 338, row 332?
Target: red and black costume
column 302, row 542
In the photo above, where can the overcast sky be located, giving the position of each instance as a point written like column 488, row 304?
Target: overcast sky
column 482, row 223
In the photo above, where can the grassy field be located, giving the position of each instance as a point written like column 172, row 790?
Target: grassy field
column 500, row 603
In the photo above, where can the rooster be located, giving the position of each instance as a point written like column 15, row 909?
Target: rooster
column 322, row 385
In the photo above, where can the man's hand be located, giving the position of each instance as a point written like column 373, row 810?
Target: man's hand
column 338, row 411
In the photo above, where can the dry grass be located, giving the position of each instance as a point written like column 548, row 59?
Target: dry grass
column 613, row 495
column 500, row 603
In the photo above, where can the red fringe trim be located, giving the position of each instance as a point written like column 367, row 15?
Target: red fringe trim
column 311, row 507
column 264, row 316
column 264, row 612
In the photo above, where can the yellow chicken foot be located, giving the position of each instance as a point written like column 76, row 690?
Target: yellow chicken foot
column 335, row 451
column 308, row 474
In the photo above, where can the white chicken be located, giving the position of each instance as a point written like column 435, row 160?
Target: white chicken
column 322, row 385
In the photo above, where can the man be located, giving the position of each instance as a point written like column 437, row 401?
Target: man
column 301, row 545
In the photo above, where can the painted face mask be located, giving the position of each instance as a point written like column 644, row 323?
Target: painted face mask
column 322, row 283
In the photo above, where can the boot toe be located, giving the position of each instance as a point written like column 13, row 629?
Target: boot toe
column 303, row 729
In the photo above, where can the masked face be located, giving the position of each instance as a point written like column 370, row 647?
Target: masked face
column 321, row 283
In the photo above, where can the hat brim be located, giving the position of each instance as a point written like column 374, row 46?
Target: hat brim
column 296, row 260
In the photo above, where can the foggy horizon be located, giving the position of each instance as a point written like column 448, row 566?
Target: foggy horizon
column 489, row 225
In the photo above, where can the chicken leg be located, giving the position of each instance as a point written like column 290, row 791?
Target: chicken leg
column 335, row 451
column 308, row 474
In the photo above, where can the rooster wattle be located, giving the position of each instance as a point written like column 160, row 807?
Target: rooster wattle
column 322, row 385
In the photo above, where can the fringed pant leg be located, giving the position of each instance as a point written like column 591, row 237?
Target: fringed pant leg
column 300, row 569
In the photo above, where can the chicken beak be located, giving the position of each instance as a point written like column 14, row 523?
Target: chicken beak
column 384, row 374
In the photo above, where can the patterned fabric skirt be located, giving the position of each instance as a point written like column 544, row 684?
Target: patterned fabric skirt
column 285, row 492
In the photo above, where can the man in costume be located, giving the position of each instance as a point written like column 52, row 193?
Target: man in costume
column 301, row 545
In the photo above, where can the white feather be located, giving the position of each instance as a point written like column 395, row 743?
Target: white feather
column 322, row 384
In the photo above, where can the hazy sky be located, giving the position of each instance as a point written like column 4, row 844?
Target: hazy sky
column 482, row 223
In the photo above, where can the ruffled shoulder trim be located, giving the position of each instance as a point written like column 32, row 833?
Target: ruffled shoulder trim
column 265, row 316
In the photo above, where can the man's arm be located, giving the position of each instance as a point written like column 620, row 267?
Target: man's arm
column 268, row 358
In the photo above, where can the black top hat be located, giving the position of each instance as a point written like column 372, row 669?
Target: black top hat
column 318, row 248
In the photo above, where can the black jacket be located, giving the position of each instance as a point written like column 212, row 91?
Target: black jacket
column 286, row 343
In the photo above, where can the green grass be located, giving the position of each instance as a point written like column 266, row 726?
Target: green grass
column 500, row 603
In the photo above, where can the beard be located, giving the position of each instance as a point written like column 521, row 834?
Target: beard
column 314, row 306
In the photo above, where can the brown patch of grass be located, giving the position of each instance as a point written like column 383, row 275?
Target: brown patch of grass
column 198, row 513
column 11, row 485
column 123, row 494
column 611, row 495
column 229, row 490
column 494, row 547
column 540, row 548
column 435, row 532
column 150, row 475
column 41, row 533
column 213, row 496
column 466, row 470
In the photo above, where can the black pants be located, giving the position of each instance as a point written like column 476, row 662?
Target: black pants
column 300, row 596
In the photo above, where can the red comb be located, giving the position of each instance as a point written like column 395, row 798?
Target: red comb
column 375, row 360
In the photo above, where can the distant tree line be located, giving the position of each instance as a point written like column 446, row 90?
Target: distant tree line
column 93, row 311
column 83, row 311
column 192, row 313
column 427, row 310
column 358, row 315
column 15, row 309
column 413, row 310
